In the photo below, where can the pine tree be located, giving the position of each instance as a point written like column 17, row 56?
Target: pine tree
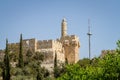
column 6, row 67
column 20, row 62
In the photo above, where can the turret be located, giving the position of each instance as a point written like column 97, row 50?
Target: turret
column 64, row 28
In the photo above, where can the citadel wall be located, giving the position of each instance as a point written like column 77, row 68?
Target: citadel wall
column 27, row 44
column 30, row 44
column 14, row 47
column 104, row 52
column 65, row 47
column 44, row 44
column 49, row 48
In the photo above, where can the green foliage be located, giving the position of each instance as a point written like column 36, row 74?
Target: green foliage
column 55, row 66
column 58, row 71
column 106, row 68
column 66, row 61
column 6, row 66
column 42, row 73
column 38, row 56
column 29, row 53
column 20, row 61
column 110, row 65
column 1, row 71
column 118, row 46
column 1, row 64
column 27, row 70
column 22, row 77
column 29, row 57
column 55, row 60
column 75, row 72
column 39, row 76
column 84, row 62
column 13, row 56
column 18, row 71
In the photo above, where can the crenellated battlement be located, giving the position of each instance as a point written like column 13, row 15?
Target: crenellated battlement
column 12, row 44
column 73, row 36
column 45, row 44
column 70, row 38
column 46, row 41
column 104, row 52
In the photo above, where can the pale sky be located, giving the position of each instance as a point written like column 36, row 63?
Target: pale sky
column 41, row 19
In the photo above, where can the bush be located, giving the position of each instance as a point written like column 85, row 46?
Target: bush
column 107, row 68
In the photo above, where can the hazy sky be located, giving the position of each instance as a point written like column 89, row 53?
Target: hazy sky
column 41, row 19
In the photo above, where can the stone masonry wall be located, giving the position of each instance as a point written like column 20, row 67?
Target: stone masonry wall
column 50, row 47
column 71, row 46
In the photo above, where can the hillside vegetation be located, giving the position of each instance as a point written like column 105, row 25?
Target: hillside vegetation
column 28, row 67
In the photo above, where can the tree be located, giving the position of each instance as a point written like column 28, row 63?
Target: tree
column 84, row 62
column 107, row 68
column 29, row 53
column 20, row 62
column 39, row 74
column 55, row 60
column 56, row 68
column 39, row 56
column 118, row 46
column 66, row 61
column 6, row 67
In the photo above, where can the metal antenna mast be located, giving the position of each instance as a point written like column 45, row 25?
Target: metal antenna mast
column 89, row 36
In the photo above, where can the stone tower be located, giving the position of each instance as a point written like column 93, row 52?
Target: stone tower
column 70, row 44
column 63, row 28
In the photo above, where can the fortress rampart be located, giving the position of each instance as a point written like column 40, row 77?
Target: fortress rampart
column 47, row 44
column 66, row 46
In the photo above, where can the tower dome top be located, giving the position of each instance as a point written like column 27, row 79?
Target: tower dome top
column 64, row 20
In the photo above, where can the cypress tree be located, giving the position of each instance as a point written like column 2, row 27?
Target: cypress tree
column 55, row 66
column 20, row 62
column 55, row 61
column 66, row 61
column 6, row 67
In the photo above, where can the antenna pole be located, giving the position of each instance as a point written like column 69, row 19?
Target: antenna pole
column 89, row 36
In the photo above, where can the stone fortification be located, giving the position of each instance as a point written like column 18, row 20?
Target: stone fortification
column 27, row 44
column 71, row 46
column 47, row 44
column 13, row 47
column 104, row 52
column 30, row 44
column 66, row 47
column 49, row 48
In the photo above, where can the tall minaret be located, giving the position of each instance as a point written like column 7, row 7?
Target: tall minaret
column 63, row 28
